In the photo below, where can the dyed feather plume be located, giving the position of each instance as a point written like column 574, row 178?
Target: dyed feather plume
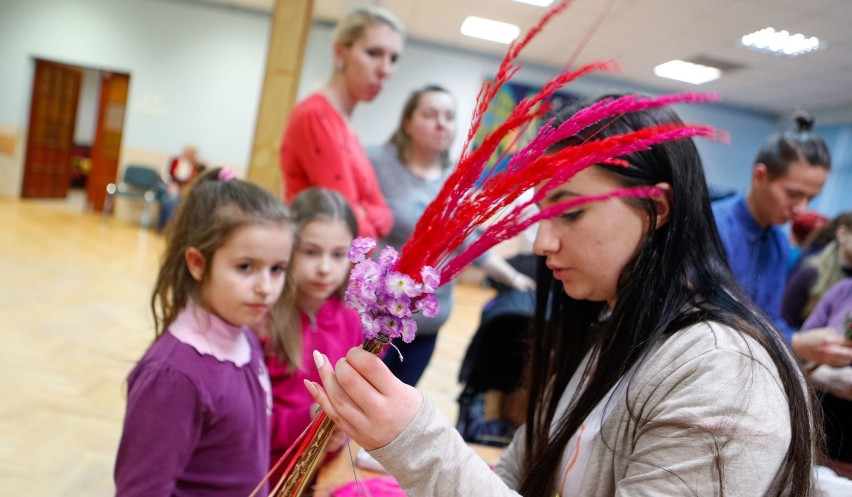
column 467, row 202
column 474, row 197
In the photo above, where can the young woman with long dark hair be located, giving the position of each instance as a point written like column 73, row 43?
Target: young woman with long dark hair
column 650, row 372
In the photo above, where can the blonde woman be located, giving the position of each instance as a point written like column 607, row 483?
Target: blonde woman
column 319, row 147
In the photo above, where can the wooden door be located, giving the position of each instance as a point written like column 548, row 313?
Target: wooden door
column 50, row 137
column 107, row 145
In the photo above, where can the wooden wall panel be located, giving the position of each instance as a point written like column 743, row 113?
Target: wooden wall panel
column 291, row 22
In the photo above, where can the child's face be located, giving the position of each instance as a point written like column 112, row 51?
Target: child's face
column 246, row 274
column 320, row 264
column 844, row 240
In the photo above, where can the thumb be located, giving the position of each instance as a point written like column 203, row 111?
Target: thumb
column 372, row 369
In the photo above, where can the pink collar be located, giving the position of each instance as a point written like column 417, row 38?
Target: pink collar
column 211, row 335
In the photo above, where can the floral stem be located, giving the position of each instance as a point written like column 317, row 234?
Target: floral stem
column 307, row 459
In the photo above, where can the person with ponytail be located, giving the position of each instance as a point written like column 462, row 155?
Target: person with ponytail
column 789, row 170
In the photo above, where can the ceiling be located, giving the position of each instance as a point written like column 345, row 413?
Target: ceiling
column 640, row 34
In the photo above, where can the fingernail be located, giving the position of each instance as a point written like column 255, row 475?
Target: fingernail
column 311, row 388
column 319, row 360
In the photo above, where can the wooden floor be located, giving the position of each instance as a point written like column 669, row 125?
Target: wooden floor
column 74, row 296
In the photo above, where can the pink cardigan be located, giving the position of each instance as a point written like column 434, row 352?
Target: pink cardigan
column 336, row 329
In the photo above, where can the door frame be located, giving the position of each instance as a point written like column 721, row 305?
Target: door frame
column 102, row 125
column 50, row 139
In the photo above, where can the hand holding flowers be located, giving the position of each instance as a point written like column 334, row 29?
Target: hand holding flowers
column 364, row 398
column 360, row 394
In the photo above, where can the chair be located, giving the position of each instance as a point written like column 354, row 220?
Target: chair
column 140, row 184
column 494, row 362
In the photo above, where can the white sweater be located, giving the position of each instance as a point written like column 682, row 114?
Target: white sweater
column 706, row 389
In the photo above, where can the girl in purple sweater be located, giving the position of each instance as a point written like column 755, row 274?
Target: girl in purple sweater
column 198, row 402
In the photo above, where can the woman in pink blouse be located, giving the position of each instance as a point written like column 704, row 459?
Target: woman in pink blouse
column 319, row 148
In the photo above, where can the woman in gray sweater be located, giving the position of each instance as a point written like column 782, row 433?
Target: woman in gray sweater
column 650, row 372
column 411, row 168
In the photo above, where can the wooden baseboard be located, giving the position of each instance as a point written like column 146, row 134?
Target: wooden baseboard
column 7, row 144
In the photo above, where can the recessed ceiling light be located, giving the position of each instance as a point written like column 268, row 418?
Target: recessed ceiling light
column 781, row 42
column 687, row 72
column 537, row 3
column 490, row 30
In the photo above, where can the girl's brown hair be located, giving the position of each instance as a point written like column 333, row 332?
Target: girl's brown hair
column 212, row 210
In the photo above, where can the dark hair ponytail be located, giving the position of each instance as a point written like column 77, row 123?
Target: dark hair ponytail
column 803, row 120
column 781, row 150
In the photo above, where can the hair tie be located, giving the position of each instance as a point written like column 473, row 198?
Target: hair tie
column 226, row 174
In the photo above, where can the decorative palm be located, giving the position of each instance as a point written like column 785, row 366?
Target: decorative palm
column 471, row 197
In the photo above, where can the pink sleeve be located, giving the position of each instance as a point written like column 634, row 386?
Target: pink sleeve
column 290, row 413
column 378, row 218
column 354, row 332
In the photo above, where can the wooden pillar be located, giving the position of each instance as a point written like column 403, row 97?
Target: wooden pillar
column 291, row 22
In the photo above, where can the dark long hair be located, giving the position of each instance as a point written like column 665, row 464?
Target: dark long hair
column 678, row 277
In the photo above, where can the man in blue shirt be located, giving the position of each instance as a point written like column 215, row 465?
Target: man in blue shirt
column 789, row 170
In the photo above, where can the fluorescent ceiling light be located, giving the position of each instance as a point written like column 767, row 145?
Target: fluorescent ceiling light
column 687, row 72
column 781, row 42
column 487, row 29
column 537, row 3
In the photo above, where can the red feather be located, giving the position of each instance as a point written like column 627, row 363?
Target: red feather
column 472, row 197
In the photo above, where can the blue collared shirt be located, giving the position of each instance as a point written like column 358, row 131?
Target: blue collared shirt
column 758, row 256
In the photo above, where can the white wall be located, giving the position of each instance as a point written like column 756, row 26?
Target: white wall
column 836, row 196
column 196, row 71
column 87, row 107
column 728, row 166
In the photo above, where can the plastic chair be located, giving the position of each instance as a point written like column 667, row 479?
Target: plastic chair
column 140, row 184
